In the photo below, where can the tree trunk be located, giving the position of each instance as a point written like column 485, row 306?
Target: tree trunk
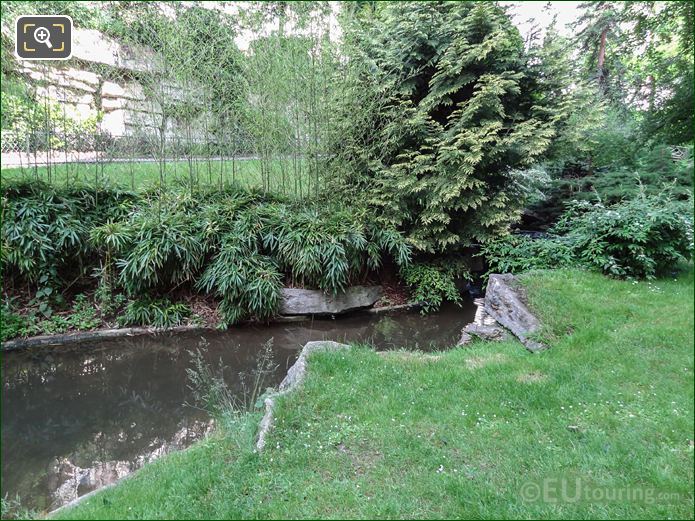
column 602, row 56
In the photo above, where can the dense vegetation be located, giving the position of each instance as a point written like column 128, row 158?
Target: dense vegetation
column 458, row 434
column 238, row 245
column 642, row 237
column 454, row 123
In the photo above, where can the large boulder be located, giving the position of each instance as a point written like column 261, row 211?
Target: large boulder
column 505, row 302
column 315, row 302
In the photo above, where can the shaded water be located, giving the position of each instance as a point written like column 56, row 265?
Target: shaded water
column 77, row 418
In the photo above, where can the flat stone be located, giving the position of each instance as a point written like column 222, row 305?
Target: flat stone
column 297, row 301
column 488, row 332
column 505, row 302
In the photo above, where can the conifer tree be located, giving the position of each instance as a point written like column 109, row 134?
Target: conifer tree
column 440, row 147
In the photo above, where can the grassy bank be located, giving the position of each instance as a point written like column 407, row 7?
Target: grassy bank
column 463, row 433
column 142, row 175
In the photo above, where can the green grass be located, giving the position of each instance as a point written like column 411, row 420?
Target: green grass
column 143, row 175
column 459, row 434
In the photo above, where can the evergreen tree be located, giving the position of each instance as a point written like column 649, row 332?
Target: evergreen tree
column 442, row 126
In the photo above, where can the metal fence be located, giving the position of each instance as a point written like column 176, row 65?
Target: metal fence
column 161, row 91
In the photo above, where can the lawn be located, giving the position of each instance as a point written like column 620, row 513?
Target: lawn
column 467, row 433
column 144, row 174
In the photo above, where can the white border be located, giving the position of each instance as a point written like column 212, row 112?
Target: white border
column 16, row 39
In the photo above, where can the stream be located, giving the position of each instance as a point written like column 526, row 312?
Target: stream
column 76, row 418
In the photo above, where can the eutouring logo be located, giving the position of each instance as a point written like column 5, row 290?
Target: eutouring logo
column 41, row 37
column 563, row 489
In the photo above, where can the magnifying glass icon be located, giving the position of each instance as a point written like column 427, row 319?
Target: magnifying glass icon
column 43, row 35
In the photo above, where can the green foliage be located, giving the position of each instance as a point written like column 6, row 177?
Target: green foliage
column 564, row 96
column 329, row 249
column 455, row 124
column 518, row 253
column 247, row 281
column 434, row 282
column 620, row 169
column 211, row 391
column 13, row 509
column 31, row 122
column 326, row 249
column 82, row 316
column 240, row 245
column 655, row 172
column 107, row 300
column 643, row 237
column 45, row 230
column 154, row 312
column 658, row 54
column 160, row 249
column 12, row 324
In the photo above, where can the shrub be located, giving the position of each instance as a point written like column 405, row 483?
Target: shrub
column 157, row 313
column 643, row 237
column 248, row 282
column 328, row 249
column 516, row 253
column 82, row 316
column 45, row 230
column 239, row 245
column 162, row 247
column 434, row 282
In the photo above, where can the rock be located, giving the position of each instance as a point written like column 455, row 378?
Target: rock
column 505, row 302
column 315, row 302
column 483, row 326
column 488, row 332
column 90, row 45
column 130, row 90
column 465, row 338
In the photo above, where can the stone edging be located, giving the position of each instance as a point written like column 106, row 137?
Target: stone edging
column 504, row 310
column 102, row 334
column 80, row 499
column 295, row 376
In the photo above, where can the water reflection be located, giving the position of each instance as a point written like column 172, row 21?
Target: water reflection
column 77, row 418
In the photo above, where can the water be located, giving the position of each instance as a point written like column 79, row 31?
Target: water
column 79, row 417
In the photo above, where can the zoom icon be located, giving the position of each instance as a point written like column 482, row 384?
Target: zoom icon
column 44, row 37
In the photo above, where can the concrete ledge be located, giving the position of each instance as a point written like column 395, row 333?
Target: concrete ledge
column 104, row 334
column 86, row 336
